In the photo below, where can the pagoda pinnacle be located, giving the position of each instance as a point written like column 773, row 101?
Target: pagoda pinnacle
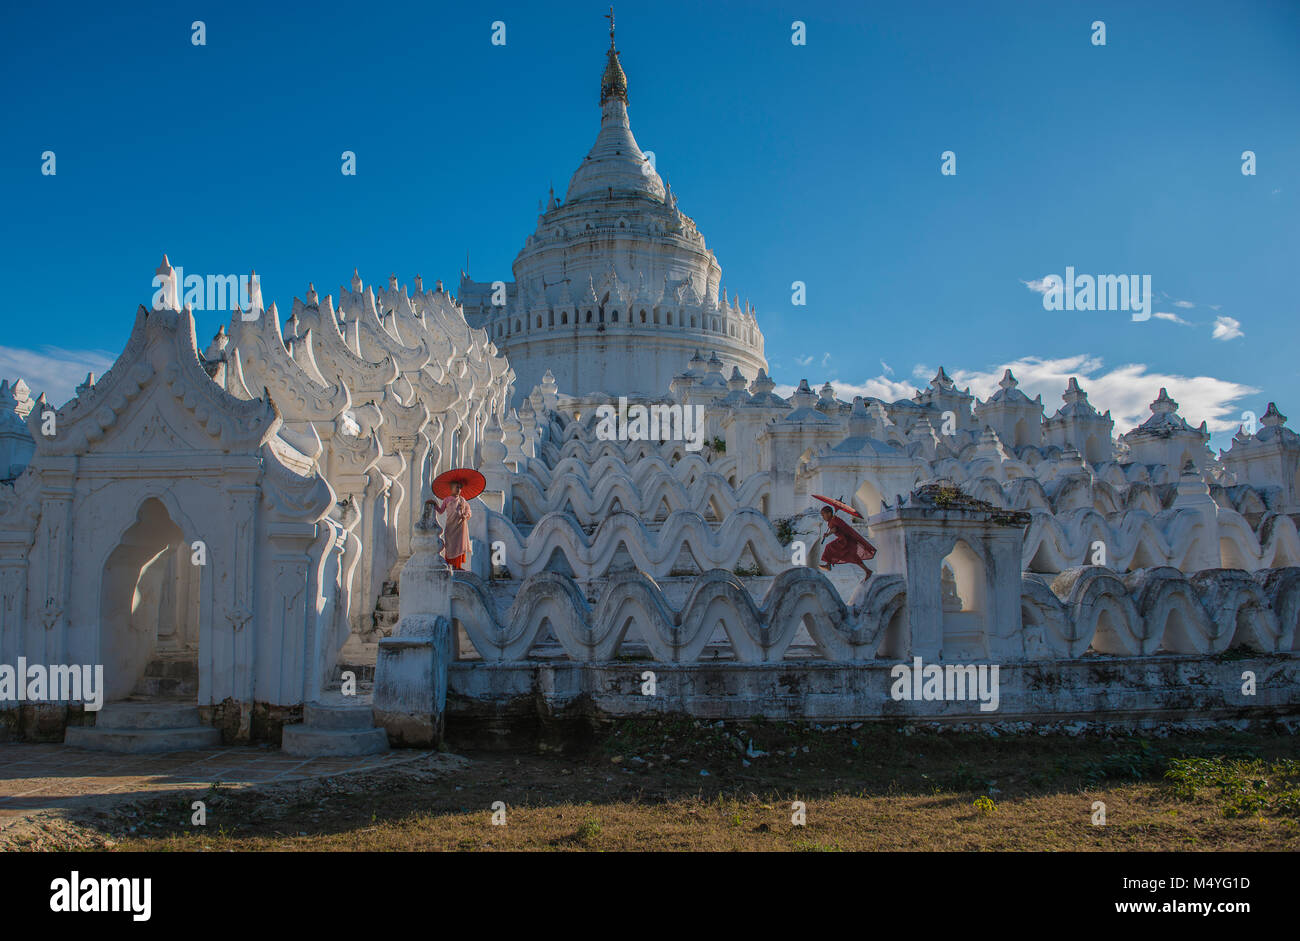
column 613, row 84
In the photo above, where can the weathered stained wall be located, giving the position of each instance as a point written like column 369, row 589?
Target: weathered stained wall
column 1140, row 690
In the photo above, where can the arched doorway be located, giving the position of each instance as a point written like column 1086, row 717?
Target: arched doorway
column 1020, row 435
column 964, row 605
column 150, row 592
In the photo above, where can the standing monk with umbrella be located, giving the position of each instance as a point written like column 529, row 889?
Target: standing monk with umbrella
column 455, row 488
column 848, row 546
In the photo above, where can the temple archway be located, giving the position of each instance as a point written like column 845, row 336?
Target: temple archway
column 1020, row 436
column 150, row 595
column 964, row 604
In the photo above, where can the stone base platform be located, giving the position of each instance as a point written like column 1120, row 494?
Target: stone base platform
column 508, row 703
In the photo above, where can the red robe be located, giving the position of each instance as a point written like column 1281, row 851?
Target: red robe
column 848, row 546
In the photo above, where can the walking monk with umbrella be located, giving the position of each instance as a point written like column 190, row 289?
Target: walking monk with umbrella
column 454, row 489
column 849, row 546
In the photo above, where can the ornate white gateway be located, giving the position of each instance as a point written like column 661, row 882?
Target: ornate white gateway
column 234, row 532
column 217, row 548
column 161, row 518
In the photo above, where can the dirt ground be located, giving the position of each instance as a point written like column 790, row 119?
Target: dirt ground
column 680, row 784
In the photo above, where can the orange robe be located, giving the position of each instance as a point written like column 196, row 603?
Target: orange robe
column 455, row 534
column 849, row 545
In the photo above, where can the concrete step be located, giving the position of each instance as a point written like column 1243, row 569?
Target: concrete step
column 173, row 666
column 133, row 727
column 335, row 715
column 148, row 715
column 134, row 741
column 308, row 742
column 175, row 676
column 365, row 672
column 338, row 726
column 173, row 687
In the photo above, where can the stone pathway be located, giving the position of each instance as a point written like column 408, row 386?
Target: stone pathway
column 40, row 779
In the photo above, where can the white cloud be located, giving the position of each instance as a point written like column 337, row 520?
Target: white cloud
column 889, row 370
column 1039, row 285
column 53, row 370
column 1127, row 390
column 1226, row 328
column 826, row 360
column 803, row 360
column 1174, row 318
column 1184, row 304
column 878, row 388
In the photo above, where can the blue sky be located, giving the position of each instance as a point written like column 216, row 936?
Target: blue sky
column 817, row 163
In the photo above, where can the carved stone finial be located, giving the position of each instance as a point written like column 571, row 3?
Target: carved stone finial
column 1163, row 403
column 1073, row 393
column 428, row 535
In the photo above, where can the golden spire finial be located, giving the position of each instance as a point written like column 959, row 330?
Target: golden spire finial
column 613, row 82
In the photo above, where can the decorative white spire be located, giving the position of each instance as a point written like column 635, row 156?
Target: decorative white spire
column 254, row 293
column 165, row 278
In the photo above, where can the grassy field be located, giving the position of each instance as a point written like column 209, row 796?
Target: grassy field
column 683, row 785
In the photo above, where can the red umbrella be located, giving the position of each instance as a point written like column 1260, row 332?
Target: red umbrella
column 471, row 483
column 838, row 504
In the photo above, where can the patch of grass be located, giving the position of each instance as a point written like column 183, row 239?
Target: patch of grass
column 966, row 779
column 1139, row 762
column 1246, row 787
column 785, row 531
column 811, row 846
column 947, row 496
column 588, row 832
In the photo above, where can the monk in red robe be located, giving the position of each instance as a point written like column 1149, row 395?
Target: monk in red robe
column 848, row 546
column 455, row 534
